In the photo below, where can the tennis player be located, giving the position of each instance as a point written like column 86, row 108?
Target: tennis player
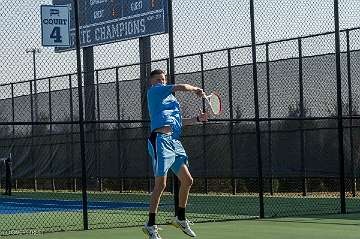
column 165, row 148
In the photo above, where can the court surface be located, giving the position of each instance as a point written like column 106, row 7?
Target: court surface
column 25, row 205
column 34, row 212
column 324, row 227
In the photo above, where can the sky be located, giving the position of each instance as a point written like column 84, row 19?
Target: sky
column 199, row 25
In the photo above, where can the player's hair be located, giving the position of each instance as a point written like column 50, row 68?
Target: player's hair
column 156, row 72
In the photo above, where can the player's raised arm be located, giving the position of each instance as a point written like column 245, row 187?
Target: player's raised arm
column 186, row 87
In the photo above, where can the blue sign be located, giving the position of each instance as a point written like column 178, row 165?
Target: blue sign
column 107, row 21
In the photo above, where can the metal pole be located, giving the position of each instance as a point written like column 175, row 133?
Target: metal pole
column 81, row 118
column 168, row 65
column 34, row 51
column 204, row 127
column 118, row 134
column 172, row 81
column 302, row 115
column 90, row 109
column 89, row 88
column 231, row 125
column 256, row 104
column 35, row 87
column 348, row 57
column 50, row 141
column 171, row 179
column 145, row 70
column 13, row 126
column 13, row 109
column 96, row 134
column 32, row 135
column 171, row 43
column 72, row 135
column 339, row 106
column 269, row 116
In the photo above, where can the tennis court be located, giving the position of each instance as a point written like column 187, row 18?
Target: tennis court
column 47, row 211
column 322, row 227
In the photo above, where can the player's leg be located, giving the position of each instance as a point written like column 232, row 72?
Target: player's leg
column 150, row 228
column 162, row 156
column 186, row 182
column 160, row 185
column 180, row 168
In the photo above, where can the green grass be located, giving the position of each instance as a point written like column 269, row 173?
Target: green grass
column 202, row 208
column 325, row 227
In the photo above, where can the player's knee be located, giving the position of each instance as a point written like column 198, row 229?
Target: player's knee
column 161, row 185
column 188, row 181
column 191, row 181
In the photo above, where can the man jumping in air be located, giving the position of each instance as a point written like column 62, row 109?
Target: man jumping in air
column 166, row 149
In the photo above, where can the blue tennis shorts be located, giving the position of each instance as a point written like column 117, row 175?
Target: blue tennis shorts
column 166, row 153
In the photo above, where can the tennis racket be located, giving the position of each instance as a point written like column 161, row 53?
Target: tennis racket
column 214, row 101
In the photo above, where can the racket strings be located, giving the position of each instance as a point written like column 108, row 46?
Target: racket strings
column 215, row 103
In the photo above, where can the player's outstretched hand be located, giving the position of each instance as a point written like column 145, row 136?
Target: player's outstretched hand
column 203, row 117
column 200, row 92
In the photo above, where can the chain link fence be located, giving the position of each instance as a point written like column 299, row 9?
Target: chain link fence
column 298, row 117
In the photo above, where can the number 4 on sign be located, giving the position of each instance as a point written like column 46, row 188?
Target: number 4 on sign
column 55, row 34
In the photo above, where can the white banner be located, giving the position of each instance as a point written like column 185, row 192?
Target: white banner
column 55, row 25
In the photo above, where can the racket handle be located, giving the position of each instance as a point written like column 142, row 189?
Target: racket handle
column 207, row 97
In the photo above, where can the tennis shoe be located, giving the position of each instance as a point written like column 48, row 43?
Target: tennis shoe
column 151, row 231
column 184, row 226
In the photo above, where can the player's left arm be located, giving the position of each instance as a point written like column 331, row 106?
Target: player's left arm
column 200, row 118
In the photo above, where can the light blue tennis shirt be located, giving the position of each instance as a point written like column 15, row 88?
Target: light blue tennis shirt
column 164, row 109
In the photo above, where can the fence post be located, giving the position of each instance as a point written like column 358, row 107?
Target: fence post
column 171, row 179
column 13, row 116
column 81, row 119
column 172, row 81
column 72, row 135
column 204, row 127
column 348, row 57
column 231, row 125
column 13, row 126
column 269, row 145
column 50, row 136
column 145, row 70
column 32, row 135
column 302, row 115
column 256, row 104
column 96, row 135
column 118, row 134
column 339, row 108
